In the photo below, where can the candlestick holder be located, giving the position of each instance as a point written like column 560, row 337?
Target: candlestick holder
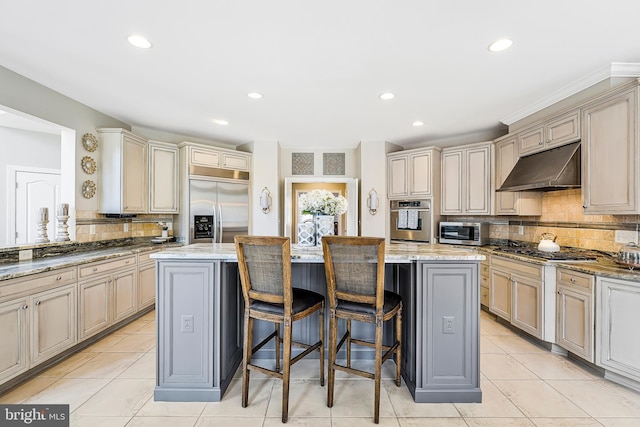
column 42, row 232
column 63, row 234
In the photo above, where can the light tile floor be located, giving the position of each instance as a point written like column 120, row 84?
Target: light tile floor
column 111, row 384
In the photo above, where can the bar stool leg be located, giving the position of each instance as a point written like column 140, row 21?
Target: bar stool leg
column 248, row 342
column 278, row 341
column 399, row 349
column 286, row 370
column 322, row 340
column 376, row 410
column 333, row 332
column 348, row 343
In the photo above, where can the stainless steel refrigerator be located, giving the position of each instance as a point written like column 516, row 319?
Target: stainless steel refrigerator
column 217, row 210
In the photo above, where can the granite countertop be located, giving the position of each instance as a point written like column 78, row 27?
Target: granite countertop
column 605, row 266
column 395, row 253
column 12, row 270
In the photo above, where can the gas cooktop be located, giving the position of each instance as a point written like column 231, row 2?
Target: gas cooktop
column 561, row 256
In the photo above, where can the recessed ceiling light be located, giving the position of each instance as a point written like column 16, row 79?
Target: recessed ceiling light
column 254, row 95
column 387, row 96
column 500, row 45
column 139, row 41
column 417, row 123
column 220, row 122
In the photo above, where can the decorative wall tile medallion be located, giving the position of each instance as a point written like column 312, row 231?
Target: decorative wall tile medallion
column 90, row 142
column 333, row 163
column 302, row 163
column 88, row 165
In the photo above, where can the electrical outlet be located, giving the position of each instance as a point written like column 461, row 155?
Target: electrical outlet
column 626, row 236
column 126, row 227
column 169, row 225
column 25, row 255
column 92, row 229
column 186, row 324
column 520, row 230
column 448, row 325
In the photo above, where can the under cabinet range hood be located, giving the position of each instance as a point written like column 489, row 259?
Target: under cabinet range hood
column 554, row 169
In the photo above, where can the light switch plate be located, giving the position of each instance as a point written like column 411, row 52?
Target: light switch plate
column 25, row 255
column 626, row 236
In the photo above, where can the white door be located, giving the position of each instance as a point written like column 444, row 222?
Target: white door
column 34, row 189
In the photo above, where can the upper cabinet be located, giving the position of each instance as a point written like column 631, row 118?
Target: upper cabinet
column 610, row 153
column 123, row 182
column 467, row 180
column 410, row 173
column 215, row 157
column 511, row 202
column 164, row 193
column 559, row 130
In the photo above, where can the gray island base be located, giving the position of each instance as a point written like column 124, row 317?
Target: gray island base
column 199, row 311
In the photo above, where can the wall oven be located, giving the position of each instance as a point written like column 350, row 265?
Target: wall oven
column 410, row 221
column 464, row 233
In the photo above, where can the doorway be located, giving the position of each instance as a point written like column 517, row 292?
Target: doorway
column 300, row 188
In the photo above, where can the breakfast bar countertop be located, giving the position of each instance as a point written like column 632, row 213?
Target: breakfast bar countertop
column 394, row 253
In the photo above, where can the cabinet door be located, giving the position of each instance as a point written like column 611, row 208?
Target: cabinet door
column 204, row 157
column 452, row 182
column 14, row 356
column 574, row 322
column 124, row 294
column 235, row 161
column 163, row 179
column 563, row 130
column 531, row 140
column 500, row 294
column 134, row 176
column 609, row 155
column 397, row 175
column 146, row 285
column 94, row 306
column 477, row 175
column 526, row 306
column 54, row 322
column 506, row 158
column 420, row 174
column 618, row 346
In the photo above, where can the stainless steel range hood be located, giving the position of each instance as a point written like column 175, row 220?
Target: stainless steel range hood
column 553, row 169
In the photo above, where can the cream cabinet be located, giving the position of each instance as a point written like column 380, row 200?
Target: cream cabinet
column 467, row 180
column 108, row 294
column 575, row 322
column 516, row 294
column 122, row 185
column 146, row 280
column 485, row 278
column 610, row 156
column 617, row 343
column 512, row 202
column 14, row 351
column 557, row 131
column 413, row 173
column 54, row 322
column 164, row 190
column 215, row 157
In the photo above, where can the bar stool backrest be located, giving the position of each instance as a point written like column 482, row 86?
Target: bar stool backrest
column 265, row 268
column 354, row 267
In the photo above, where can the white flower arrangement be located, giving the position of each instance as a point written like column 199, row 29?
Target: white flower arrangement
column 322, row 202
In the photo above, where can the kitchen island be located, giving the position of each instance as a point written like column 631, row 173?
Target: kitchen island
column 199, row 311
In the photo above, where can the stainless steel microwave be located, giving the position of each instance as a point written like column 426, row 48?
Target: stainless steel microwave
column 464, row 233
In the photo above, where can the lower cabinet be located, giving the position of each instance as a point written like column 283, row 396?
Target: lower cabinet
column 54, row 322
column 146, row 280
column 485, row 280
column 617, row 346
column 574, row 313
column 500, row 294
column 124, row 295
column 14, row 355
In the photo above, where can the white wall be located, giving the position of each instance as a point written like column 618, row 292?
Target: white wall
column 265, row 173
column 373, row 173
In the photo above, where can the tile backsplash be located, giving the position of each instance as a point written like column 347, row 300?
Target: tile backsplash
column 92, row 226
column 562, row 216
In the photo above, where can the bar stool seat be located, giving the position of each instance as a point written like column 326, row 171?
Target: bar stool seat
column 264, row 264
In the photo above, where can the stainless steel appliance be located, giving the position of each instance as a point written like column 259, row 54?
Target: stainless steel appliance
column 218, row 210
column 464, row 233
column 410, row 221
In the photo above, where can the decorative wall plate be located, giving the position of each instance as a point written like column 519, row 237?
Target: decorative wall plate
column 88, row 189
column 90, row 142
column 88, row 165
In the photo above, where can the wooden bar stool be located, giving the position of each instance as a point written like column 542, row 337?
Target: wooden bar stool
column 265, row 272
column 354, row 268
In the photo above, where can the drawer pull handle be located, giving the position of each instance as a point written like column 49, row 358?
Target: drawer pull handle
column 37, row 302
column 24, row 307
column 95, row 268
column 573, row 280
column 127, row 261
column 110, row 280
column 59, row 278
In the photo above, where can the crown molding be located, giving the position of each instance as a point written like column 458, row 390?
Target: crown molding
column 615, row 69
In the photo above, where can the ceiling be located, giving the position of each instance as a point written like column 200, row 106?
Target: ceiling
column 320, row 65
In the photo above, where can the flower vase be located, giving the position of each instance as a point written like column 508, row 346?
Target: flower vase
column 324, row 227
column 306, row 234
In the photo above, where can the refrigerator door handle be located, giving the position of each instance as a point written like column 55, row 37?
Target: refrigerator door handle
column 220, row 219
column 215, row 224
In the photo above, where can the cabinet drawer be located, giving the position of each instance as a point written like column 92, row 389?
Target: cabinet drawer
column 517, row 267
column 146, row 257
column 484, row 281
column 575, row 280
column 235, row 161
column 107, row 267
column 204, row 157
column 484, row 269
column 37, row 281
column 484, row 296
